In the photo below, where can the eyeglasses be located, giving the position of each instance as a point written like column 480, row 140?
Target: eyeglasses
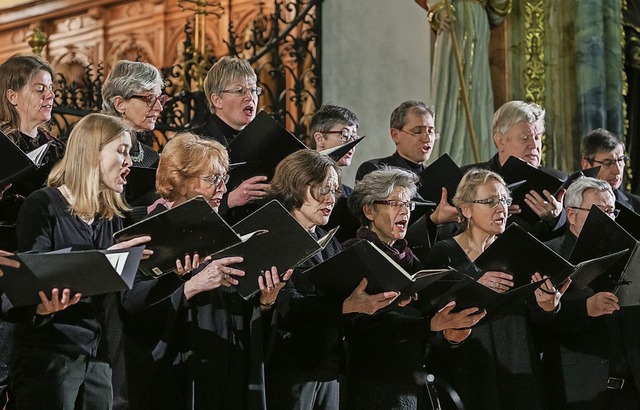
column 242, row 91
column 326, row 190
column 397, row 205
column 216, row 180
column 423, row 131
column 493, row 202
column 345, row 135
column 151, row 99
column 612, row 212
column 608, row 163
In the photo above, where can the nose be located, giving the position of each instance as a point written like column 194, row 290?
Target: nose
column 222, row 188
column 127, row 160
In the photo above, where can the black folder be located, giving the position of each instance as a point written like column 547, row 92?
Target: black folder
column 185, row 229
column 339, row 151
column 515, row 170
column 443, row 172
column 282, row 243
column 520, row 254
column 141, row 186
column 589, row 172
column 629, row 220
column 601, row 236
column 339, row 275
column 91, row 272
column 16, row 163
column 261, row 145
column 342, row 217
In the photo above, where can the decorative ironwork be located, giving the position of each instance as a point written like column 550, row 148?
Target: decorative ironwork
column 282, row 46
column 534, row 55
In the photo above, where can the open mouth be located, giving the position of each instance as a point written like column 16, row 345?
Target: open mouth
column 124, row 174
column 249, row 110
column 402, row 224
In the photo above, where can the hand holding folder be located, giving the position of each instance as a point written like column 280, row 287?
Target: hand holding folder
column 92, row 272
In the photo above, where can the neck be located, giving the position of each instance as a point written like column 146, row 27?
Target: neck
column 477, row 240
column 309, row 226
column 29, row 129
column 388, row 241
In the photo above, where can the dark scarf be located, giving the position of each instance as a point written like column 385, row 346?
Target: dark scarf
column 399, row 252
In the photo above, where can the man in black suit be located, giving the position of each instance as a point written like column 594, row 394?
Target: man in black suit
column 588, row 355
column 604, row 149
column 517, row 131
column 232, row 97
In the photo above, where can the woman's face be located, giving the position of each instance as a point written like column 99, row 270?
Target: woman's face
column 211, row 185
column 390, row 221
column 34, row 101
column 314, row 212
column 142, row 110
column 488, row 218
column 237, row 104
column 115, row 162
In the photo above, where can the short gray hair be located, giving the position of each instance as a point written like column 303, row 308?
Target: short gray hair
column 399, row 115
column 378, row 185
column 128, row 78
column 224, row 72
column 575, row 193
column 516, row 111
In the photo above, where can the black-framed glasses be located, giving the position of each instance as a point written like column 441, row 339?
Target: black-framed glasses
column 216, row 180
column 151, row 99
column 345, row 135
column 422, row 131
column 397, row 205
column 242, row 91
column 608, row 163
column 326, row 190
column 493, row 202
column 612, row 212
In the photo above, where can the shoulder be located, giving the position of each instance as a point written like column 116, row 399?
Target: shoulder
column 373, row 165
column 210, row 130
column 493, row 165
column 632, row 199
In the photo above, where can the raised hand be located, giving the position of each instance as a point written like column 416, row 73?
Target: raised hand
column 547, row 208
column 217, row 273
column 444, row 212
column 57, row 302
column 249, row 190
column 498, row 281
column 359, row 301
column 270, row 285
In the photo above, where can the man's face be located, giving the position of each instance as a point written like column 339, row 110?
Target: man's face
column 522, row 140
column 415, row 140
column 611, row 165
column 577, row 216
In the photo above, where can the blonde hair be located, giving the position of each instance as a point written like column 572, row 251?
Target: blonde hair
column 224, row 72
column 468, row 188
column 184, row 157
column 79, row 169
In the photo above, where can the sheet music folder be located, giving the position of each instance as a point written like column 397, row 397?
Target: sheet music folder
column 602, row 236
column 514, row 170
column 443, row 172
column 261, row 145
column 337, row 152
column 284, row 244
column 339, row 275
column 16, row 163
column 91, row 272
column 520, row 254
column 184, row 229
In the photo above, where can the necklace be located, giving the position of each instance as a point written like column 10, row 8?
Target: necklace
column 471, row 245
column 139, row 157
column 72, row 202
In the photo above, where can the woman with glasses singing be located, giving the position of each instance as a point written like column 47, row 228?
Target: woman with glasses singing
column 303, row 369
column 232, row 96
column 133, row 91
column 395, row 338
column 194, row 342
column 497, row 366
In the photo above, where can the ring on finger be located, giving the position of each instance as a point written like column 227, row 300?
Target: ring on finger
column 225, row 276
column 493, row 285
